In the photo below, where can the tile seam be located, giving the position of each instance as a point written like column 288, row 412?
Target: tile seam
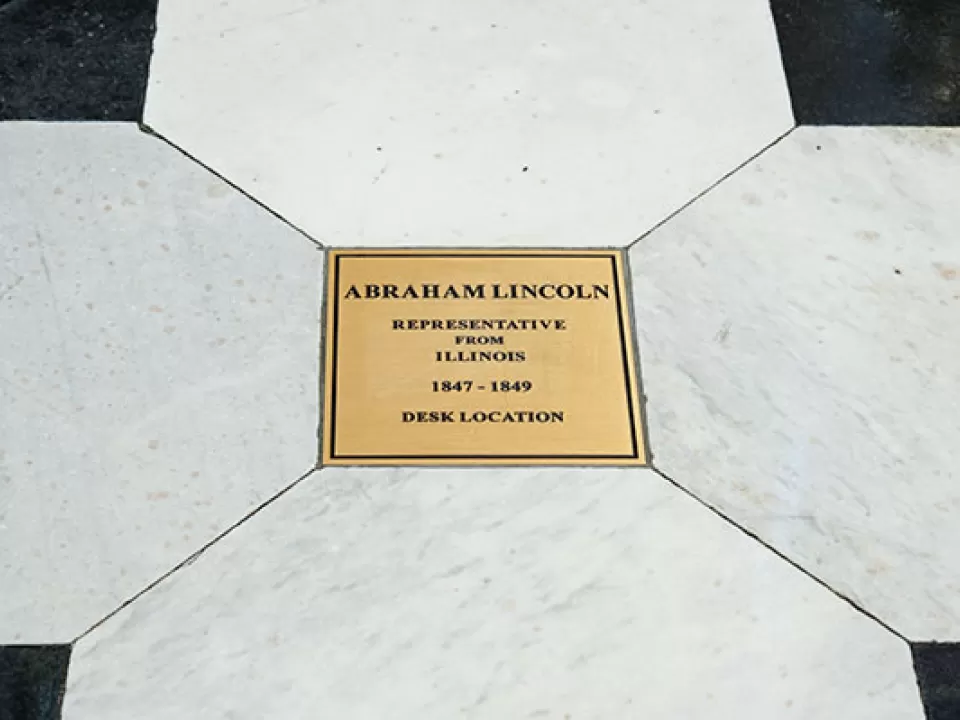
column 147, row 130
column 781, row 555
column 713, row 186
column 192, row 558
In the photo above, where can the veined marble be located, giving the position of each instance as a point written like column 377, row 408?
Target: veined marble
column 158, row 378
column 799, row 332
column 490, row 594
column 486, row 123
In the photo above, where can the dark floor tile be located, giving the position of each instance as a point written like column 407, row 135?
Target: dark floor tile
column 32, row 681
column 871, row 62
column 938, row 675
column 74, row 59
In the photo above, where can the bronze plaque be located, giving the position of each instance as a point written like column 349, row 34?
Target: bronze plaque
column 444, row 357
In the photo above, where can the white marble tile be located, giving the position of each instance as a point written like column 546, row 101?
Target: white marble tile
column 799, row 332
column 490, row 594
column 485, row 123
column 159, row 371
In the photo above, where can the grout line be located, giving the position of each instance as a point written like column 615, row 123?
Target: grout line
column 144, row 128
column 322, row 366
column 637, row 360
column 710, row 188
column 749, row 533
column 192, row 558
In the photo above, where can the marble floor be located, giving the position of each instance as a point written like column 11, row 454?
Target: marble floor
column 784, row 181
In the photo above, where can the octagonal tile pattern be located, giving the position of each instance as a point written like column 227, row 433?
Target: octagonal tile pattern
column 798, row 339
column 159, row 372
column 429, row 123
column 799, row 334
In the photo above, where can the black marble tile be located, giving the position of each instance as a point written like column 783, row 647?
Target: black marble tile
column 74, row 59
column 32, row 681
column 938, row 675
column 871, row 62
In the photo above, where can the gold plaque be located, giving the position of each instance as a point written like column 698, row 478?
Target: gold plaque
column 479, row 357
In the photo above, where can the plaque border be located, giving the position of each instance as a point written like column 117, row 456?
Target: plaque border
column 331, row 328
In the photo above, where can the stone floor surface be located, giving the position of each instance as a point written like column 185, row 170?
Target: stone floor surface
column 782, row 178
